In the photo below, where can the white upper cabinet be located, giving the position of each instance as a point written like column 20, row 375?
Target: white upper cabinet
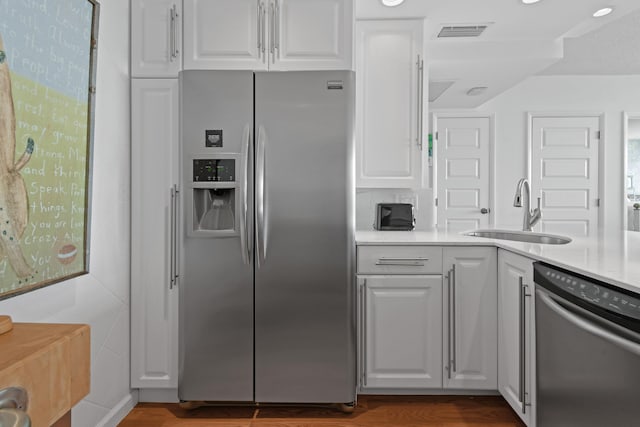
column 312, row 34
column 155, row 38
column 225, row 34
column 268, row 34
column 389, row 103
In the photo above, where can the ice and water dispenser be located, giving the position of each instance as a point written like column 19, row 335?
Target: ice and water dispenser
column 215, row 196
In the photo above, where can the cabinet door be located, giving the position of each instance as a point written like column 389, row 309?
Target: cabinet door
column 470, row 318
column 312, row 34
column 154, row 301
column 155, row 38
column 225, row 34
column 389, row 113
column 401, row 331
column 515, row 338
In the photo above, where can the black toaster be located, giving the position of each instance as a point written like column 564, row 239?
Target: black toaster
column 394, row 216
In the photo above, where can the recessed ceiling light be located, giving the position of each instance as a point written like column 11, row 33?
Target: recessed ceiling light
column 530, row 1
column 478, row 90
column 392, row 3
column 602, row 12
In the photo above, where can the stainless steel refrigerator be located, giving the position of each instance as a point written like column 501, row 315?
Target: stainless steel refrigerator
column 267, row 291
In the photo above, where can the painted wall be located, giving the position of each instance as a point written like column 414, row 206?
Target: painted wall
column 610, row 95
column 101, row 298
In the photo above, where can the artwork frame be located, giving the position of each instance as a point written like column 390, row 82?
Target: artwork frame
column 48, row 64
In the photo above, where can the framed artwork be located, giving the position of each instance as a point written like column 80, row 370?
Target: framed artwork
column 47, row 90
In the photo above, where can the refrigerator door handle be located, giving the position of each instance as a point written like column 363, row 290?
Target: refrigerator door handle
column 245, row 245
column 261, row 237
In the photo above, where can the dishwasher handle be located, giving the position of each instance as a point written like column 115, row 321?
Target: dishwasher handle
column 591, row 323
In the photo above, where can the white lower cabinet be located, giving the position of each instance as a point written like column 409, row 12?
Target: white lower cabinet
column 516, row 338
column 418, row 331
column 154, row 297
column 402, row 332
column 470, row 318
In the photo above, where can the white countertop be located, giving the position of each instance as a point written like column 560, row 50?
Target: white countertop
column 613, row 259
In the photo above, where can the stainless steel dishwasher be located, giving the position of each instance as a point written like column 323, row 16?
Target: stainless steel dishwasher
column 587, row 350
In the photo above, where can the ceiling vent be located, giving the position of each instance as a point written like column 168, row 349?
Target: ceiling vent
column 461, row 31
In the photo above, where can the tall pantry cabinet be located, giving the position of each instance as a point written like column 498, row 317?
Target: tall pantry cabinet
column 155, row 62
column 168, row 36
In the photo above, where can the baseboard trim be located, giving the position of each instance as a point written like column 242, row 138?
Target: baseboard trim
column 158, row 395
column 426, row 392
column 118, row 412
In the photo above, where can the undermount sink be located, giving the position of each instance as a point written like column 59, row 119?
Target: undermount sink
column 521, row 236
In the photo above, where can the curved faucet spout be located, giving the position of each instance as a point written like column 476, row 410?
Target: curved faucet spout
column 522, row 199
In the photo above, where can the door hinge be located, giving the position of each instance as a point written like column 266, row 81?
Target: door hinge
column 436, row 201
column 598, row 134
column 436, row 136
column 598, row 202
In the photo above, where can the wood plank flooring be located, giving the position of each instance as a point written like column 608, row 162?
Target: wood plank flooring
column 372, row 411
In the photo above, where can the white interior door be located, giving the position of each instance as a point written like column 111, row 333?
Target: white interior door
column 564, row 173
column 463, row 172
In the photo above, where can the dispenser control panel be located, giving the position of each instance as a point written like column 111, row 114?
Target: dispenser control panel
column 214, row 170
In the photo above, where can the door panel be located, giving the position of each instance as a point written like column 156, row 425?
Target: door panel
column 470, row 318
column 313, row 35
column 463, row 152
column 403, row 332
column 564, row 173
column 515, row 271
column 154, row 322
column 216, row 287
column 388, row 103
column 223, row 35
column 304, row 280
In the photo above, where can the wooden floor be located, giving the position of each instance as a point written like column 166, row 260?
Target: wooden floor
column 372, row 411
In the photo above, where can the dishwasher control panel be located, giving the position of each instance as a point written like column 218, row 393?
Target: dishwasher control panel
column 596, row 293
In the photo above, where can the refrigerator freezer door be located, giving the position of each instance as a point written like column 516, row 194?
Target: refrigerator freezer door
column 304, row 282
column 216, row 287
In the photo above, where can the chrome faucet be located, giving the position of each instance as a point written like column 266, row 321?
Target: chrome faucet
column 530, row 217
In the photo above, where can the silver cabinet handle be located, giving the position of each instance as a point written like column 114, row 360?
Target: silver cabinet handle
column 453, row 318
column 272, row 31
column 174, row 245
column 174, row 33
column 420, row 111
column 259, row 21
column 261, row 237
column 526, row 294
column 172, row 236
column 363, row 330
column 263, row 34
column 408, row 262
column 449, row 276
column 277, row 29
column 521, row 337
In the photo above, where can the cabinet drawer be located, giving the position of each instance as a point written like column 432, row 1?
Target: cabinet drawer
column 399, row 260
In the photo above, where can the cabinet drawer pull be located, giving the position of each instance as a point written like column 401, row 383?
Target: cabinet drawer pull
column 410, row 262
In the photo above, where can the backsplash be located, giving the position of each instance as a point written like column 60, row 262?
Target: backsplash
column 367, row 198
